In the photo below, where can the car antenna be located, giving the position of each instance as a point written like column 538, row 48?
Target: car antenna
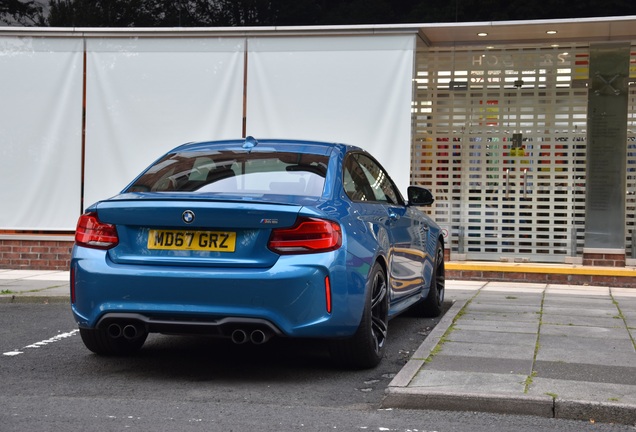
column 250, row 143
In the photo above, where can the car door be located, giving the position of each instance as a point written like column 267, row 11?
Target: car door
column 407, row 231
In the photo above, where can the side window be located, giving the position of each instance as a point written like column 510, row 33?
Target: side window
column 356, row 184
column 379, row 181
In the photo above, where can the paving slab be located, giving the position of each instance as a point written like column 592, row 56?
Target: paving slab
column 473, row 382
column 465, row 284
column 577, row 350
column 502, row 318
column 584, row 331
column 492, row 350
column 558, row 299
column 592, row 373
column 608, row 322
column 505, row 366
column 502, row 326
column 503, row 297
column 502, row 309
column 493, row 337
column 577, row 289
column 624, row 293
column 37, row 274
column 514, row 287
column 608, row 311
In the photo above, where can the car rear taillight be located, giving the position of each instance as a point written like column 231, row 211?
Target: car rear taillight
column 308, row 235
column 93, row 233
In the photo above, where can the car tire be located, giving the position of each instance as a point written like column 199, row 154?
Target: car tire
column 366, row 348
column 99, row 342
column 433, row 304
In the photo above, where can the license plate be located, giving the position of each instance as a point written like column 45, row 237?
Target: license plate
column 213, row 241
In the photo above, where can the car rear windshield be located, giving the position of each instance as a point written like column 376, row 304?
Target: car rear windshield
column 230, row 172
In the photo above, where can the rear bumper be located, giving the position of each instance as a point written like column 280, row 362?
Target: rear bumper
column 240, row 330
column 288, row 299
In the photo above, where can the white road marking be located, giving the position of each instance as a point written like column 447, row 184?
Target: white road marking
column 43, row 343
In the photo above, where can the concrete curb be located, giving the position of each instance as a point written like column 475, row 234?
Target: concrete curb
column 413, row 398
column 605, row 412
column 34, row 299
column 542, row 406
column 413, row 366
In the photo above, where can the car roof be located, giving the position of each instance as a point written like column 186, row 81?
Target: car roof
column 290, row 145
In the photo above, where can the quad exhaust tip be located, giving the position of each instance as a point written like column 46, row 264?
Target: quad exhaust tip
column 239, row 337
column 257, row 337
column 114, row 331
column 129, row 331
column 134, row 326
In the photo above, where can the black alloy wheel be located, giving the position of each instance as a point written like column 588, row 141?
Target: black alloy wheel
column 379, row 309
column 433, row 304
column 365, row 348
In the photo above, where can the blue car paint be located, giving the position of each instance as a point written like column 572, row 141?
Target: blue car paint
column 290, row 294
column 287, row 290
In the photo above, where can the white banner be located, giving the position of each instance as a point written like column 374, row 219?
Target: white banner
column 40, row 133
column 146, row 96
column 355, row 90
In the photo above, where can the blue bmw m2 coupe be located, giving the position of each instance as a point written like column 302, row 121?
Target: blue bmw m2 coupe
column 249, row 240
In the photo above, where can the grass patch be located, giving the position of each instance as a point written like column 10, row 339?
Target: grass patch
column 537, row 345
column 441, row 342
column 529, row 380
column 621, row 316
column 552, row 395
column 7, row 291
column 445, row 337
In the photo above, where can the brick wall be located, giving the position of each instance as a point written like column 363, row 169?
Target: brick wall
column 35, row 254
column 546, row 277
column 604, row 259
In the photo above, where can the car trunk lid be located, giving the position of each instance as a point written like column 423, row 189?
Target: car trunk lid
column 195, row 232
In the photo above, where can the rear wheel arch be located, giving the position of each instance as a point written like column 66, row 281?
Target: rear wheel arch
column 440, row 239
column 382, row 261
column 366, row 347
column 432, row 304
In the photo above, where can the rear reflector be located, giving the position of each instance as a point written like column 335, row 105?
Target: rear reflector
column 308, row 235
column 328, row 293
column 73, row 285
column 92, row 233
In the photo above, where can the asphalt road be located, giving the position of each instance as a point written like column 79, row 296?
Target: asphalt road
column 50, row 382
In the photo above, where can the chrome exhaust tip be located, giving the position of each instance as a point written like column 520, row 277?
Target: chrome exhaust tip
column 114, row 331
column 239, row 336
column 130, row 332
column 258, row 337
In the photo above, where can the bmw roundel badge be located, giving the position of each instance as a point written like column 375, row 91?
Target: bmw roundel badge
column 188, row 216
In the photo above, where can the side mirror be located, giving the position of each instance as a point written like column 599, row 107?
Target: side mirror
column 419, row 196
